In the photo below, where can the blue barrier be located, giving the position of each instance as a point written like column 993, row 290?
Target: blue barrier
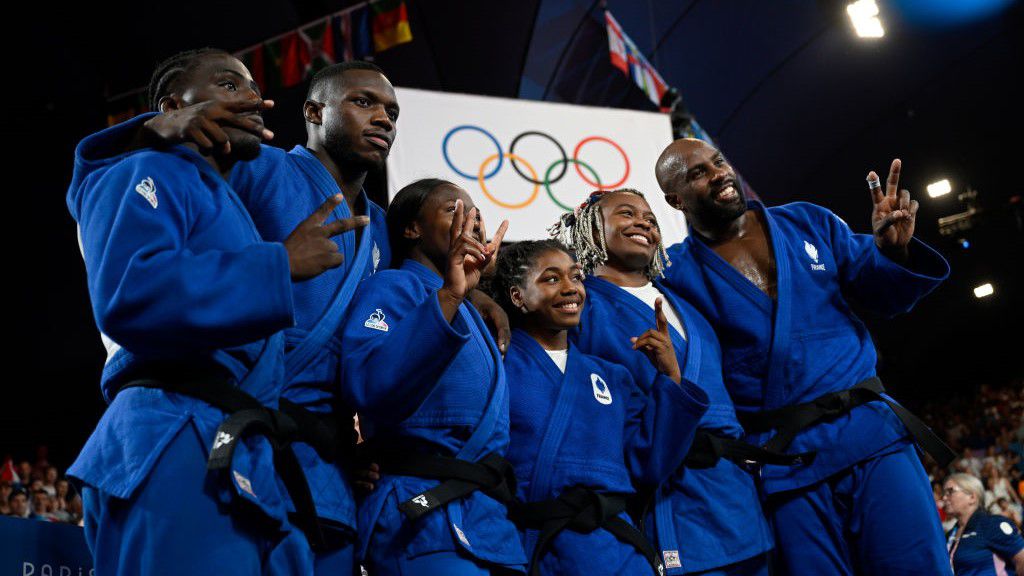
column 35, row 548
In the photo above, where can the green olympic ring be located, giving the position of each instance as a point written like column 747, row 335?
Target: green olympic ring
column 562, row 161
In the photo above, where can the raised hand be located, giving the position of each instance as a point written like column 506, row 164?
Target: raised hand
column 311, row 251
column 893, row 214
column 657, row 345
column 202, row 124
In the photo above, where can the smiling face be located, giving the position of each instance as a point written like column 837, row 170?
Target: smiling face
column 631, row 232
column 356, row 114
column 697, row 180
column 551, row 292
column 223, row 78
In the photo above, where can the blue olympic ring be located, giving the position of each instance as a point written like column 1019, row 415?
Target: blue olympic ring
column 444, row 151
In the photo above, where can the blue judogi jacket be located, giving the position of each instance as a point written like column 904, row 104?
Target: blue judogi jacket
column 177, row 275
column 592, row 426
column 421, row 383
column 807, row 342
column 702, row 518
column 281, row 189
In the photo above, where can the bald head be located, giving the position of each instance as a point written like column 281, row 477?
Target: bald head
column 696, row 179
column 673, row 160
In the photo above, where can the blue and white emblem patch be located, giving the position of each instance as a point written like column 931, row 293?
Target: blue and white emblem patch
column 147, row 189
column 376, row 321
column 601, row 392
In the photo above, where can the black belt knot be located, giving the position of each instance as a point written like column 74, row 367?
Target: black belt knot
column 581, row 510
column 492, row 475
column 248, row 416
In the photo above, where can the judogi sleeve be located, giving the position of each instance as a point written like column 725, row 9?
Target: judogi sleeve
column 874, row 280
column 152, row 294
column 396, row 346
column 660, row 426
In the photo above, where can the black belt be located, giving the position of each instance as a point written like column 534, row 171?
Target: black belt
column 581, row 510
column 247, row 416
column 791, row 420
column 708, row 448
column 492, row 475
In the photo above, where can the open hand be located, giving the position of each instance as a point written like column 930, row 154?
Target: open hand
column 202, row 124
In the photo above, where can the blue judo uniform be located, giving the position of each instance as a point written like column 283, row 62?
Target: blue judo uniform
column 281, row 189
column 593, row 427
column 179, row 277
column 835, row 513
column 421, row 383
column 702, row 519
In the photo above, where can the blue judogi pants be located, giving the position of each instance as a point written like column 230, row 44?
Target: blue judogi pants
column 877, row 517
column 175, row 524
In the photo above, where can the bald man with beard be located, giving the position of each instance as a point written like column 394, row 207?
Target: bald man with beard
column 774, row 282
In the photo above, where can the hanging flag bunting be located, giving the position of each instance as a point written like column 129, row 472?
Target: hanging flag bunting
column 253, row 60
column 319, row 40
column 295, row 56
column 626, row 57
column 390, row 24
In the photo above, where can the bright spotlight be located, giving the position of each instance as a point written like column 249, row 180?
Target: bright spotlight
column 936, row 189
column 984, row 290
column 864, row 15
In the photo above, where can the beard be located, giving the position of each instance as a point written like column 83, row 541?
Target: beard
column 342, row 151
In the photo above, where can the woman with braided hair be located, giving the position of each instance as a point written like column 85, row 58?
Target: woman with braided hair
column 706, row 518
column 582, row 432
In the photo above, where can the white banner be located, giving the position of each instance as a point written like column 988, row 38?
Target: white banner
column 527, row 161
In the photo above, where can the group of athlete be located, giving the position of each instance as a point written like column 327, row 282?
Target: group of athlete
column 604, row 406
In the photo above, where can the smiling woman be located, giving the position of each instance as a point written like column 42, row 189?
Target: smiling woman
column 582, row 432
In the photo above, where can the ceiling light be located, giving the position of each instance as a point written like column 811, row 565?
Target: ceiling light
column 984, row 290
column 864, row 15
column 936, row 189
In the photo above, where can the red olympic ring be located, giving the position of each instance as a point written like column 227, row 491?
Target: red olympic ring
column 598, row 185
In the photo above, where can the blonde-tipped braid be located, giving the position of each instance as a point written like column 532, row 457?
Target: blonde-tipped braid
column 583, row 232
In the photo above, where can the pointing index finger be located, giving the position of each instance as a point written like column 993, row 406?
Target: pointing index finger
column 659, row 316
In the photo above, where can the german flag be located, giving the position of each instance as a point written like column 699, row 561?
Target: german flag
column 390, row 24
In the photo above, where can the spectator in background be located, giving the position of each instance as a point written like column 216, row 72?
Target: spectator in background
column 1004, row 508
column 49, row 479
column 18, row 502
column 5, row 492
column 24, row 473
column 41, row 506
column 979, row 543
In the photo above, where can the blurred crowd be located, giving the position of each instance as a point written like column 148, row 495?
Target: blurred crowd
column 986, row 427
column 38, row 491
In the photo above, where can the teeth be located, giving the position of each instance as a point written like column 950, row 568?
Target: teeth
column 639, row 238
column 569, row 306
column 728, row 191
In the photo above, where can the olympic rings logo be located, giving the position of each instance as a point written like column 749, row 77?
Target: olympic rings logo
column 518, row 163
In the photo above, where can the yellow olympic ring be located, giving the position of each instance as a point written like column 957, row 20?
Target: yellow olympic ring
column 483, row 187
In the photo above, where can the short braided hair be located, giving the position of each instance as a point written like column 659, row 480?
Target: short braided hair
column 513, row 263
column 167, row 73
column 583, row 231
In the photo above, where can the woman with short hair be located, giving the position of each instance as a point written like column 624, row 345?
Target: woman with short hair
column 980, row 544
